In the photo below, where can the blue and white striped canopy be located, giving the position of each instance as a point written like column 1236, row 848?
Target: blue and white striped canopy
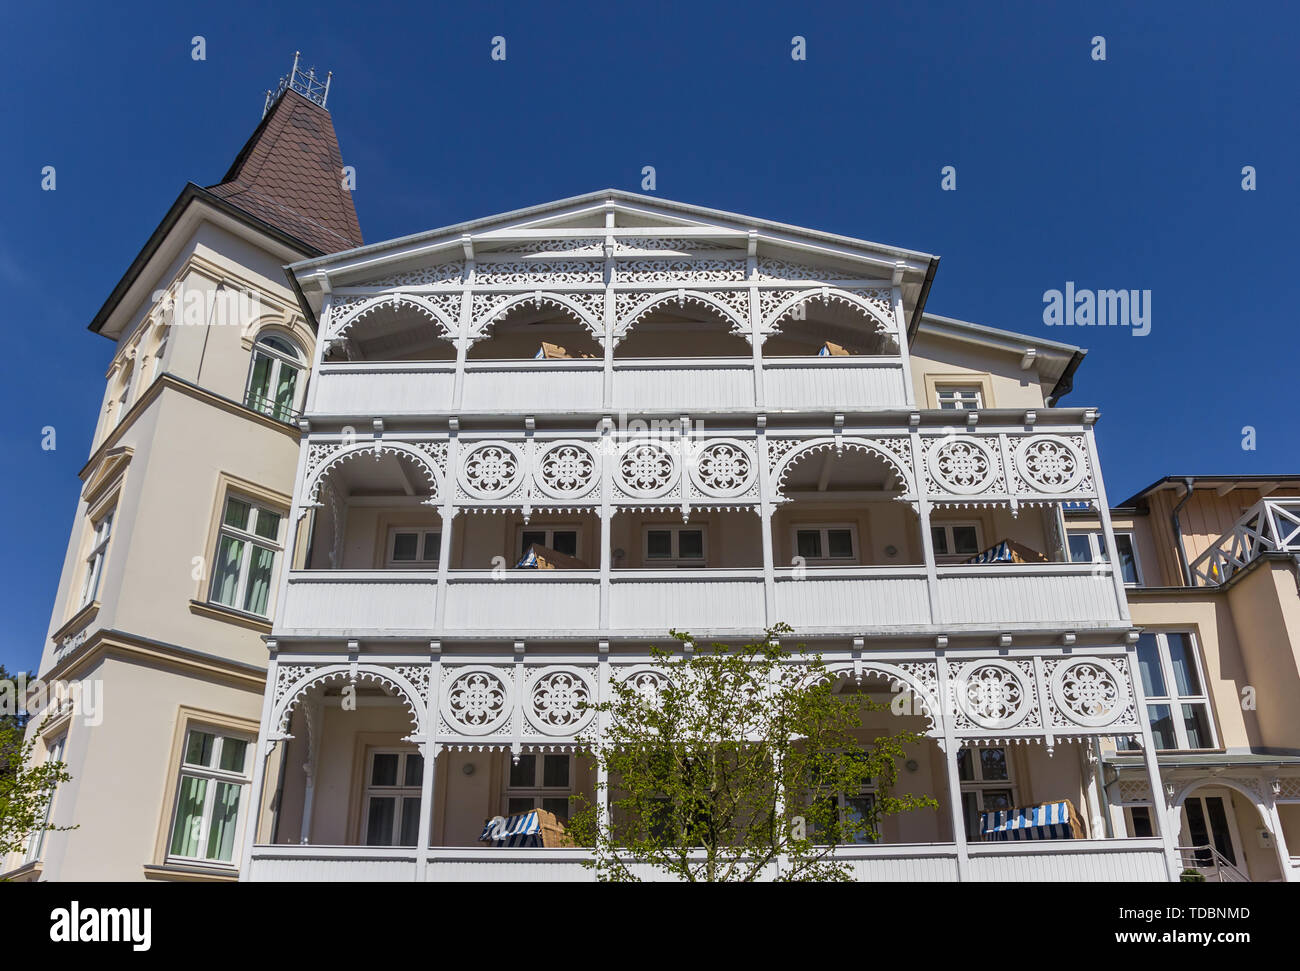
column 522, row 830
column 1046, row 822
column 528, row 560
column 998, row 554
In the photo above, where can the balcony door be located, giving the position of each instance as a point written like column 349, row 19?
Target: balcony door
column 1208, row 820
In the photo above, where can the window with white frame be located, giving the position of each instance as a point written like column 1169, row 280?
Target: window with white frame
column 539, row 781
column 248, row 546
column 94, row 574
column 562, row 539
column 275, row 378
column 1178, row 706
column 674, row 546
column 851, row 810
column 986, row 784
column 210, row 795
column 956, row 542
column 823, row 544
column 36, row 841
column 392, row 806
column 959, row 397
column 1090, row 547
column 413, row 548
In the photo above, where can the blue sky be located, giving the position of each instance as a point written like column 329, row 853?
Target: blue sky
column 1117, row 174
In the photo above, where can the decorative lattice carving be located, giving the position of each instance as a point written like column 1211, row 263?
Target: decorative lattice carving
column 477, row 701
column 993, row 694
column 962, row 464
column 646, row 470
column 566, row 470
column 723, row 468
column 558, row 700
column 453, row 272
column 491, row 470
column 1050, row 463
column 1090, row 691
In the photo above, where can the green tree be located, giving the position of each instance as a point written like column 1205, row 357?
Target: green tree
column 729, row 769
column 25, row 788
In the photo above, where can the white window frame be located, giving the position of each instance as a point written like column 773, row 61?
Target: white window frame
column 213, row 775
column 1097, row 545
column 854, row 559
column 676, row 560
column 36, row 841
column 954, row 393
column 249, row 537
column 94, row 576
column 279, row 360
column 978, row 785
column 1175, row 701
column 550, row 529
column 424, row 533
column 947, row 528
column 537, row 792
column 400, row 793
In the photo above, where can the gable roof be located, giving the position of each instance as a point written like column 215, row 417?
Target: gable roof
column 289, row 174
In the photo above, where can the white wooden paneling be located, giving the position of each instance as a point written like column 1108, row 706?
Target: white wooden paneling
column 1025, row 597
column 834, row 383
column 702, row 385
column 552, row 602
column 1089, row 861
column 686, row 603
column 388, row 389
column 359, row 600
column 308, row 868
column 811, row 601
column 540, row 386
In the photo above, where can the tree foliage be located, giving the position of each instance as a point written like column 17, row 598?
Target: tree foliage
column 730, row 768
column 25, row 788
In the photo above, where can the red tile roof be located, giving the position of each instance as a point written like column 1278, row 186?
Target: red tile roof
column 289, row 175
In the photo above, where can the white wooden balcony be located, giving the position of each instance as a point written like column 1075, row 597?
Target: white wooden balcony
column 1064, row 861
column 813, row 600
column 1269, row 526
column 682, row 385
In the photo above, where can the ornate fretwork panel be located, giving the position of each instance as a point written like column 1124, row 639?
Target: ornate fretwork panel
column 1090, row 693
column 994, row 695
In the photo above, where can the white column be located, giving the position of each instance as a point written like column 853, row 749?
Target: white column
column 261, row 753
column 448, row 511
column 466, row 323
column 950, row 749
column 1273, row 820
column 605, row 456
column 765, row 512
column 429, row 750
column 923, row 517
column 1103, row 516
column 602, row 728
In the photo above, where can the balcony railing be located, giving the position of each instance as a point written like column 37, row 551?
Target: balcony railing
column 1271, row 525
column 572, row 602
column 1077, row 861
column 647, row 384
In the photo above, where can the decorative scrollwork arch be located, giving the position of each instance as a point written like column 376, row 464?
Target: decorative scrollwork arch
column 899, row 679
column 884, row 326
column 395, row 683
column 420, row 304
column 540, row 298
column 738, row 323
column 423, row 462
column 865, row 445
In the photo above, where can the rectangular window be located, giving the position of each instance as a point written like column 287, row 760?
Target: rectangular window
column 819, row 544
column 36, row 841
column 986, row 785
column 956, row 542
column 562, row 539
column 414, row 548
column 95, row 558
column 392, row 797
column 674, row 546
column 1090, row 547
column 1178, row 706
column 539, row 782
column 214, row 779
column 959, row 397
column 249, row 543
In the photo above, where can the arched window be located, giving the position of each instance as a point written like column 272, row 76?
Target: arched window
column 275, row 378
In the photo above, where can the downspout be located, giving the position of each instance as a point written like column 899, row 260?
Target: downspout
column 1188, row 482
